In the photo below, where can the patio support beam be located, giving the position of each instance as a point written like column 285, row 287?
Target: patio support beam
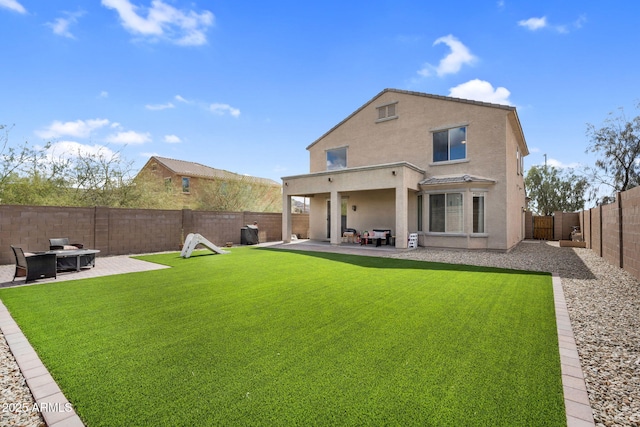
column 286, row 218
column 336, row 216
column 402, row 217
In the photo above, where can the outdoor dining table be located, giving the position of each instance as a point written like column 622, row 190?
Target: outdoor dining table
column 75, row 253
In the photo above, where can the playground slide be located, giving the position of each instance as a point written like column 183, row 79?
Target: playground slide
column 195, row 239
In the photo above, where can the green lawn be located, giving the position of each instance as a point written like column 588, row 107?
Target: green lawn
column 269, row 337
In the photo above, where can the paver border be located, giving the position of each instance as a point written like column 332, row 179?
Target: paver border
column 55, row 408
column 576, row 398
column 60, row 413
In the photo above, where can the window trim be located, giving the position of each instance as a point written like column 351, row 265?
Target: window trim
column 420, row 203
column 188, row 186
column 462, row 213
column 346, row 157
column 482, row 194
column 448, row 129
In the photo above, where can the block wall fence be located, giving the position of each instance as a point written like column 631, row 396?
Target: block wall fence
column 613, row 231
column 117, row 231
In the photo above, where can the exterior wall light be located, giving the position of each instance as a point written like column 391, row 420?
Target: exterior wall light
column 354, row 207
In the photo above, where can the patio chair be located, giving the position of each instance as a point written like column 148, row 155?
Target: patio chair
column 34, row 266
column 63, row 243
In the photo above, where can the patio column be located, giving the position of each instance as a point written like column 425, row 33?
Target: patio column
column 402, row 217
column 286, row 218
column 336, row 216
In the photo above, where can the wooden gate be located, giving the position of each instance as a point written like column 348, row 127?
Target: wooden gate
column 543, row 227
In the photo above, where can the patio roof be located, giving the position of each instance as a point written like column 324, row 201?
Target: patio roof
column 457, row 179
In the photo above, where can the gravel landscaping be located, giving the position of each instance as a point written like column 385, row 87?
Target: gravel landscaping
column 603, row 303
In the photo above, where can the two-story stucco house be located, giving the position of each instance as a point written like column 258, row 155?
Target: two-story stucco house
column 448, row 169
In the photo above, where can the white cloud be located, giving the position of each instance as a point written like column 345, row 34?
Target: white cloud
column 534, row 24
column 460, row 55
column 480, row 90
column 222, row 109
column 181, row 99
column 69, row 149
column 560, row 165
column 104, row 94
column 172, row 139
column 61, row 25
column 578, row 23
column 13, row 5
column 78, row 129
column 159, row 106
column 129, row 137
column 163, row 21
column 148, row 154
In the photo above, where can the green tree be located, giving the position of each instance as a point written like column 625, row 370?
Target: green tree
column 551, row 190
column 35, row 176
column 617, row 145
column 16, row 162
column 239, row 193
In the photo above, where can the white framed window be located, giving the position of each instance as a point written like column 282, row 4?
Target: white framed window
column 186, row 184
column 337, row 158
column 387, row 112
column 446, row 213
column 478, row 213
column 519, row 171
column 450, row 144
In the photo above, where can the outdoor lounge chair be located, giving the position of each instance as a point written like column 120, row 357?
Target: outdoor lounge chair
column 63, row 243
column 34, row 266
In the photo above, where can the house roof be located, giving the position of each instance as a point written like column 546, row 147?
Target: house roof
column 439, row 180
column 192, row 169
column 509, row 108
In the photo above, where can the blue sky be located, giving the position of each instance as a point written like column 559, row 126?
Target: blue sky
column 246, row 86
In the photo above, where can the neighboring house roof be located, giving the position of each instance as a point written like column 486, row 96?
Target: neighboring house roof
column 439, row 180
column 192, row 169
column 445, row 98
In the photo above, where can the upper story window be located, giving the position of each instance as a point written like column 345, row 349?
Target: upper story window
column 450, row 144
column 186, row 185
column 387, row 112
column 337, row 158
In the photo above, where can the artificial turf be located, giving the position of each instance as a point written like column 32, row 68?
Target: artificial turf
column 270, row 337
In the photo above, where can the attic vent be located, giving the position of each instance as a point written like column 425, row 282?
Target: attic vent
column 387, row 112
column 154, row 167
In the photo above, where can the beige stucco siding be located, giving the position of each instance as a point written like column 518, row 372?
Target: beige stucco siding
column 515, row 192
column 409, row 137
column 390, row 163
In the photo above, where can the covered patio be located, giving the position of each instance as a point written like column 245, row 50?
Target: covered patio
column 380, row 196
